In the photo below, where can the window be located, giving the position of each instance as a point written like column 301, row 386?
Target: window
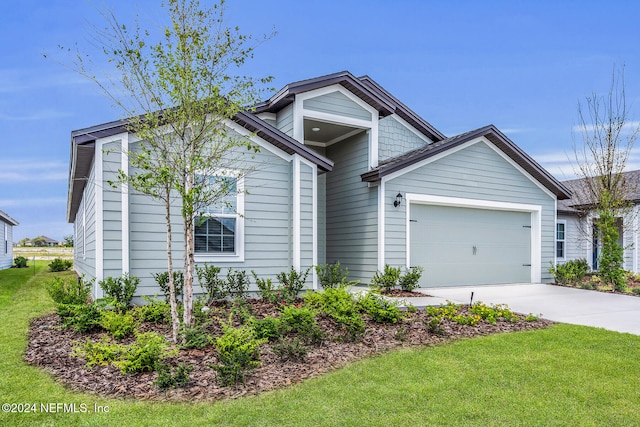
column 6, row 239
column 560, row 239
column 218, row 231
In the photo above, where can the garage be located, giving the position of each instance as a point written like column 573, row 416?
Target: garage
column 470, row 246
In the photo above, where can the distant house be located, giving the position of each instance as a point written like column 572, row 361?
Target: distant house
column 346, row 172
column 6, row 240
column 576, row 227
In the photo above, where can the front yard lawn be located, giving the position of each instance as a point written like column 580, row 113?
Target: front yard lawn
column 563, row 375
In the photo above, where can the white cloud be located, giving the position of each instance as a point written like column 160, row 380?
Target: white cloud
column 25, row 170
column 628, row 127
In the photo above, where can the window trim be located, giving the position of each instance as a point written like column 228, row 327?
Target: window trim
column 564, row 240
column 238, row 255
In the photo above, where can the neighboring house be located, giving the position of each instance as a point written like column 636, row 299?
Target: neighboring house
column 576, row 231
column 346, row 173
column 6, row 240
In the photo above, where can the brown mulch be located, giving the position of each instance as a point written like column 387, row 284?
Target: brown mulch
column 50, row 347
column 399, row 293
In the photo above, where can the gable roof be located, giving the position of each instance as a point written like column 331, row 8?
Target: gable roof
column 572, row 205
column 83, row 148
column 6, row 218
column 490, row 132
column 363, row 87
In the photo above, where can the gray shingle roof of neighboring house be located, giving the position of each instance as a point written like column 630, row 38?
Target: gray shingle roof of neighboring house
column 6, row 218
column 570, row 206
column 492, row 134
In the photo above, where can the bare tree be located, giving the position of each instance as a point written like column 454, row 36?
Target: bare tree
column 608, row 135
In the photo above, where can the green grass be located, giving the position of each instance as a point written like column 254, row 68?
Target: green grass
column 564, row 375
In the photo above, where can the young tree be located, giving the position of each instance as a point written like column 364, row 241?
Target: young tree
column 608, row 135
column 177, row 91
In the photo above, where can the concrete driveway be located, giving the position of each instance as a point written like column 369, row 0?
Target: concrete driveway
column 576, row 306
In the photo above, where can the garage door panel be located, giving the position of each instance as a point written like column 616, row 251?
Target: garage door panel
column 459, row 246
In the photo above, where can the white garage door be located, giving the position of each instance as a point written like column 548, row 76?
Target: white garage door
column 467, row 246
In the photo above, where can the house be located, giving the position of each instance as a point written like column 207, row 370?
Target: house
column 346, row 173
column 6, row 240
column 576, row 228
column 43, row 241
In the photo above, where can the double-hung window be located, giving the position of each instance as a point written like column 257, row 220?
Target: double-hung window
column 560, row 239
column 218, row 230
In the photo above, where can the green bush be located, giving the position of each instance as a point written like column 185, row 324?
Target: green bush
column 292, row 283
column 570, row 273
column 172, row 377
column 196, row 337
column 162, row 279
column 68, row 290
column 447, row 311
column 101, row 353
column 237, row 283
column 386, row 280
column 434, row 326
column 117, row 324
column 266, row 290
column 80, row 317
column 268, row 327
column 379, row 308
column 143, row 354
column 155, row 311
column 214, row 286
column 60, row 264
column 237, row 353
column 409, row 280
column 121, row 288
column 301, row 321
column 340, row 305
column 491, row 314
column 333, row 276
column 20, row 262
column 470, row 320
column 635, row 291
column 290, row 349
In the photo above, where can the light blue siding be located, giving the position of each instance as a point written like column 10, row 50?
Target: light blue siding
column 351, row 228
column 84, row 249
column 476, row 172
column 337, row 103
column 284, row 120
column 112, row 210
column 395, row 139
column 6, row 245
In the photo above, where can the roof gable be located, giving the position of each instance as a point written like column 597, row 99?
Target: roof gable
column 491, row 133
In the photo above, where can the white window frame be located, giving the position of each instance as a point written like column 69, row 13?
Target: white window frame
column 564, row 240
column 238, row 255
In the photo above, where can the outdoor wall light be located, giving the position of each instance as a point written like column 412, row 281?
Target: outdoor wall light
column 398, row 200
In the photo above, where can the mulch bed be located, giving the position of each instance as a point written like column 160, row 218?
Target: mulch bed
column 399, row 293
column 50, row 347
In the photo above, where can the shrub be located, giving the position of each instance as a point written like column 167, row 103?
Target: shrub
column 379, row 308
column 447, row 311
column 143, row 354
column 237, row 353
column 20, row 262
column 121, row 288
column 155, row 311
column 214, row 286
column 292, row 349
column 471, row 320
column 237, row 283
column 162, row 279
column 68, row 290
column 434, row 326
column 333, row 276
column 491, row 314
column 266, row 290
column 196, row 337
column 301, row 321
column 59, row 264
column 172, row 377
column 292, row 283
column 80, row 317
column 570, row 273
column 409, row 280
column 266, row 328
column 635, row 291
column 100, row 353
column 339, row 304
column 118, row 325
column 386, row 280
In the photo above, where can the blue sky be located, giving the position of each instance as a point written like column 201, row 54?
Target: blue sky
column 521, row 65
